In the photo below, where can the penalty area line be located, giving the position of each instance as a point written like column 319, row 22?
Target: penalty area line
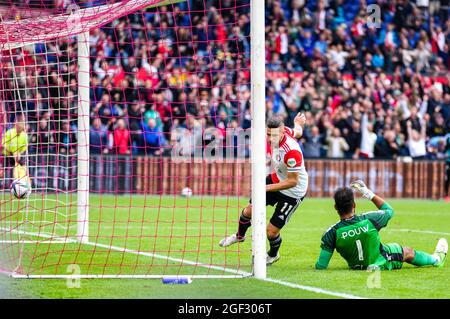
column 237, row 272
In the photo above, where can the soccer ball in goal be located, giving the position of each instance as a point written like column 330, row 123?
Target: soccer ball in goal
column 186, row 192
column 20, row 188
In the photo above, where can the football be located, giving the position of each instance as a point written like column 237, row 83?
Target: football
column 20, row 188
column 186, row 192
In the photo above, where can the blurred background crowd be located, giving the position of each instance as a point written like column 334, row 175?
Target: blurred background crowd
column 377, row 90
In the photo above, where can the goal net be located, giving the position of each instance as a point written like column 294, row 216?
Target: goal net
column 136, row 116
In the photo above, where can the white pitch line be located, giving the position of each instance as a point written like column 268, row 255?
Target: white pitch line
column 229, row 270
column 243, row 273
column 15, row 275
column 183, row 261
column 64, row 240
column 313, row 289
column 417, row 231
column 222, row 227
column 135, row 225
column 159, row 227
column 32, row 242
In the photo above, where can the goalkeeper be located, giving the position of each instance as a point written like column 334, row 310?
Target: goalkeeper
column 14, row 146
column 356, row 237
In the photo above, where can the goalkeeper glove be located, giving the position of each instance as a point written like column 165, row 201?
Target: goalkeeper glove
column 361, row 188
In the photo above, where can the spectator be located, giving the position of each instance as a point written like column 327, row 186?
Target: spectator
column 312, row 143
column 67, row 139
column 386, row 146
column 186, row 138
column 106, row 110
column 445, row 108
column 378, row 60
column 121, row 137
column 353, row 139
column 437, row 126
column 368, row 138
column 238, row 43
column 152, row 113
column 338, row 56
column 436, row 147
column 98, row 137
column 416, row 141
column 336, row 144
column 413, row 121
column 422, row 56
column 135, row 114
column 42, row 141
column 153, row 137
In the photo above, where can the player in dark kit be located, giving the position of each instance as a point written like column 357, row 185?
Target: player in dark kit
column 356, row 237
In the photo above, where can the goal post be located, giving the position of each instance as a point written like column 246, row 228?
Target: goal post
column 83, row 137
column 106, row 91
column 258, row 138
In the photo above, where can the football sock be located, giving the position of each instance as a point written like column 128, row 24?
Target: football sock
column 275, row 244
column 423, row 259
column 244, row 224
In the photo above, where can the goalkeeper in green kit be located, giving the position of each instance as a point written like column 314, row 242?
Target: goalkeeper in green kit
column 356, row 237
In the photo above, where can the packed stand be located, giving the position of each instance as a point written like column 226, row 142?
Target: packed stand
column 379, row 91
column 370, row 91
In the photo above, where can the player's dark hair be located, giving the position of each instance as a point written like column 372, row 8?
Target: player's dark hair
column 344, row 200
column 274, row 121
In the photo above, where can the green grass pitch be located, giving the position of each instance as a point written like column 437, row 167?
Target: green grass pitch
column 162, row 228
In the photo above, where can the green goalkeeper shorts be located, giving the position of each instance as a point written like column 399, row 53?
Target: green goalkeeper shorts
column 393, row 253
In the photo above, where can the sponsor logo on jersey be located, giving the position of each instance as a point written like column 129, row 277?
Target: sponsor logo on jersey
column 354, row 232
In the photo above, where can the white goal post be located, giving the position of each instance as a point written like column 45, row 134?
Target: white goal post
column 83, row 139
column 258, row 138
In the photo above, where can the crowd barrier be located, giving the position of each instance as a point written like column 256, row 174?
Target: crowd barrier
column 161, row 175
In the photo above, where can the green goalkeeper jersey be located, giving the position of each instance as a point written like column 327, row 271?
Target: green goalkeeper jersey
column 357, row 239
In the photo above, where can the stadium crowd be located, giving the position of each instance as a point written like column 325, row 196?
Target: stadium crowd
column 377, row 90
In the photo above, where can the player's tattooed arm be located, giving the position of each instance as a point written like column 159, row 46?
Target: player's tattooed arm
column 290, row 182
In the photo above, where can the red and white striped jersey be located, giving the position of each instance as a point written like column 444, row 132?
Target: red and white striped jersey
column 289, row 158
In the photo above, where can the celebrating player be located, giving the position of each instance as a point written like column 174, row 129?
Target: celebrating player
column 285, row 187
column 356, row 237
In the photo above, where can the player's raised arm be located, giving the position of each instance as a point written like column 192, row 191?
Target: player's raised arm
column 388, row 212
column 299, row 124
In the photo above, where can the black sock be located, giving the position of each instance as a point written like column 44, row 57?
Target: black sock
column 275, row 244
column 244, row 224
